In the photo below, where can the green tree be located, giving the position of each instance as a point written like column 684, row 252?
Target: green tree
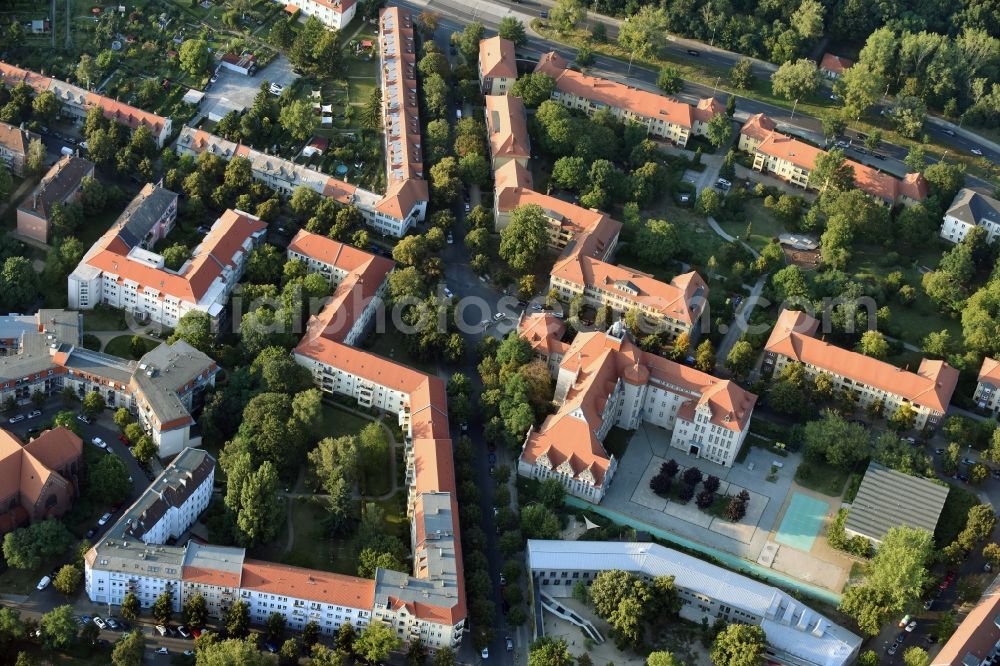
column 238, row 619
column 195, row 611
column 260, row 507
column 873, row 344
column 130, row 607
column 6, row 183
column 740, row 358
column 129, row 649
column 18, row 284
column 58, row 627
column 836, row 441
column 916, row 656
column 832, row 171
column 741, row 74
column 739, row 645
column 669, row 80
column 908, row 116
column 662, row 659
column 657, row 241
column 229, row 652
column 298, row 119
column 548, row 652
column 645, row 32
column 144, row 449
column 375, row 642
column 468, row 40
column 525, row 238
column 194, row 328
column 34, row 161
column 861, row 87
column 193, row 56
column 68, row 579
column 533, row 88
column 163, row 607
column 704, row 356
column 916, row 158
column 93, row 404
column 87, row 71
column 109, row 480
column 513, row 30
column 796, row 80
column 539, row 522
column 566, row 14
column 720, row 130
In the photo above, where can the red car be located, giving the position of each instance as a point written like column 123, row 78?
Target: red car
column 124, row 440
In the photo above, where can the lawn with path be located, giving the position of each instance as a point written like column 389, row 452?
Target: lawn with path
column 122, row 347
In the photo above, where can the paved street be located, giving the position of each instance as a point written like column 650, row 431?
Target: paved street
column 456, row 14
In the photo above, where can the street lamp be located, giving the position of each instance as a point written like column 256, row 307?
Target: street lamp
column 716, row 86
column 793, row 108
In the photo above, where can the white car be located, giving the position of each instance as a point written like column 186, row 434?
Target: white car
column 99, row 443
column 498, row 316
column 277, row 89
column 485, row 653
column 16, row 419
column 100, row 622
column 104, row 521
column 215, row 77
column 451, row 239
column 33, row 413
column 162, row 650
column 976, row 152
column 447, row 293
column 43, row 583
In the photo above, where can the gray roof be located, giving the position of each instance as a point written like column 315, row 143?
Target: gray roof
column 216, row 558
column 887, row 498
column 143, row 212
column 39, row 336
column 970, row 207
column 101, row 365
column 163, row 372
column 122, row 549
column 790, row 626
column 61, row 181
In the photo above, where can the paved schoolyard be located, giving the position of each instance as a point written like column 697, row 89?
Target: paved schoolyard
column 649, row 447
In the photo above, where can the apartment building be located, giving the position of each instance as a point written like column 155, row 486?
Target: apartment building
column 61, row 186
column 971, row 209
column 430, row 604
column 663, row 118
column 833, row 66
column 134, row 556
column 796, row 634
column 359, row 280
column 987, row 395
column 334, row 14
column 404, row 203
column 44, row 353
column 794, row 160
column 77, row 101
column 928, row 390
column 118, row 271
column 14, row 142
column 507, row 130
column 40, row 479
column 604, row 380
column 497, row 65
column 567, row 221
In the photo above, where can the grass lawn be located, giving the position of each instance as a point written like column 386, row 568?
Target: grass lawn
column 617, row 441
column 391, row 345
column 313, row 547
column 359, row 90
column 764, row 226
column 338, row 422
column 91, row 342
column 822, row 478
column 122, row 347
column 23, row 581
column 954, row 515
column 103, row 318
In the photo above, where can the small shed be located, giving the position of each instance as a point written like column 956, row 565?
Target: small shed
column 245, row 63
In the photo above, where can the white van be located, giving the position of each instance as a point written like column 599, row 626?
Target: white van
column 66, row 150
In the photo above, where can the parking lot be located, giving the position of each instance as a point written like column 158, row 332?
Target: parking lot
column 232, row 90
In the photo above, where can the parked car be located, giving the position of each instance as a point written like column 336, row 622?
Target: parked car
column 99, row 621
column 911, row 626
column 16, row 419
column 161, row 630
column 104, row 519
column 485, row 654
column 905, row 621
column 43, row 583
column 99, row 443
column 938, row 452
column 91, row 532
column 183, row 632
column 510, row 644
column 949, row 132
column 891, row 650
column 84, row 419
column 451, row 239
column 34, row 413
column 968, row 461
column 277, row 88
column 162, row 650
column 977, row 152
column 113, row 624
column 693, row 52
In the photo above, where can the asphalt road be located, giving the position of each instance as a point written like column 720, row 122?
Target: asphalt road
column 456, row 14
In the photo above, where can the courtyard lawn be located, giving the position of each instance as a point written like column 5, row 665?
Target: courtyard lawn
column 954, row 515
column 122, row 347
column 764, row 226
column 103, row 318
column 313, row 547
column 616, row 442
column 391, row 345
column 821, row 477
column 91, row 342
column 337, row 422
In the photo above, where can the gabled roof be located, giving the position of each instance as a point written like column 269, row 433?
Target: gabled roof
column 15, row 139
column 330, row 588
column 513, row 174
column 615, row 94
column 26, row 470
column 61, row 181
column 496, row 58
column 990, row 371
column 758, row 127
column 784, row 147
column 931, row 386
column 887, row 499
column 971, row 207
column 507, row 127
column 835, row 64
column 543, row 331
column 975, row 639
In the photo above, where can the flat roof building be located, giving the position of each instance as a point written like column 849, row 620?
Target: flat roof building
column 796, row 634
column 887, row 499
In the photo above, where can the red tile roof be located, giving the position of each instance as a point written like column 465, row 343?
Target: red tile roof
column 931, row 386
column 990, row 371
column 496, row 58
column 835, row 64
column 974, row 639
column 507, row 127
column 312, row 584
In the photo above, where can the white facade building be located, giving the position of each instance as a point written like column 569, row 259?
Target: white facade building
column 971, row 209
column 334, row 14
column 796, row 634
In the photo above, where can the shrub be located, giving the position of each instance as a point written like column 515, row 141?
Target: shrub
column 692, row 476
column 705, row 499
column 669, row 468
column 685, row 493
column 712, row 484
column 660, row 484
